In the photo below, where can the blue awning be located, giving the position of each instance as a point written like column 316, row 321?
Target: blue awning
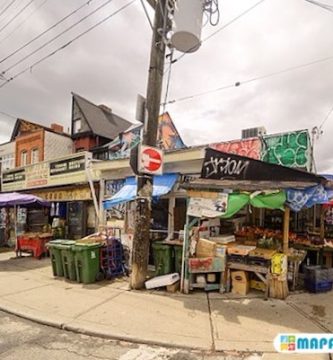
column 162, row 185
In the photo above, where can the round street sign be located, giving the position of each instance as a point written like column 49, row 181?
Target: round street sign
column 151, row 160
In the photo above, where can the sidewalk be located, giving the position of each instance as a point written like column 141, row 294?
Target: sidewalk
column 196, row 321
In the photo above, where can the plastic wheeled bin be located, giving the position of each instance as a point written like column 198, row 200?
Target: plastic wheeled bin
column 68, row 258
column 163, row 258
column 55, row 255
column 87, row 263
column 178, row 250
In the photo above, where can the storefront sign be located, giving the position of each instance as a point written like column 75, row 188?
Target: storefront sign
column 203, row 207
column 219, row 165
column 69, row 170
column 67, row 166
column 65, row 195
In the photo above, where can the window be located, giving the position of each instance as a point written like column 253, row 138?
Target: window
column 77, row 126
column 24, row 158
column 34, row 156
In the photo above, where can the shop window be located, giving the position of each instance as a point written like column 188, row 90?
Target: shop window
column 34, row 156
column 24, row 158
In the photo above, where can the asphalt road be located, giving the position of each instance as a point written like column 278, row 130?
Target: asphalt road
column 22, row 339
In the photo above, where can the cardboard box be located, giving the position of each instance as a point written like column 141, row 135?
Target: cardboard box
column 221, row 251
column 240, row 282
column 258, row 285
column 239, row 276
column 240, row 288
column 205, row 248
column 173, row 287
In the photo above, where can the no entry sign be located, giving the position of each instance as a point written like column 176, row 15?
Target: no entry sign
column 150, row 160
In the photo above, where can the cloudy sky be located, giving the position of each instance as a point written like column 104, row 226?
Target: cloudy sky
column 109, row 65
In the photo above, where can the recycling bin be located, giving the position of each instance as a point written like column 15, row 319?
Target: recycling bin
column 87, row 262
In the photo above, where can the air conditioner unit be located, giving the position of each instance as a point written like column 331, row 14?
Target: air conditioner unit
column 253, row 132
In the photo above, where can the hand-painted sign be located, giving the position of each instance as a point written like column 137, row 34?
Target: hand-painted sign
column 246, row 147
column 150, row 160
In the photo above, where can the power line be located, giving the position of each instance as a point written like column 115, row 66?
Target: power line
column 56, row 37
column 6, row 114
column 7, row 7
column 146, row 13
column 23, row 21
column 45, row 31
column 326, row 118
column 322, row 5
column 222, row 27
column 16, row 15
column 68, row 43
column 238, row 83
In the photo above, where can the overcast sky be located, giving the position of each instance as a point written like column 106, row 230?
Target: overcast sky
column 110, row 65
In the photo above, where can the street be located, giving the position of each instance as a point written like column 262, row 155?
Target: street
column 22, row 339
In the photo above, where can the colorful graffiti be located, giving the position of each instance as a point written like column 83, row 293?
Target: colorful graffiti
column 168, row 138
column 291, row 149
column 246, row 147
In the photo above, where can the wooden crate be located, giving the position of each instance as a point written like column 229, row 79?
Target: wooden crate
column 266, row 254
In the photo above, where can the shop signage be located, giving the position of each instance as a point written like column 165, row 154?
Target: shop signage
column 205, row 207
column 150, row 160
column 219, row 165
column 65, row 195
column 13, row 177
column 67, row 166
column 69, row 170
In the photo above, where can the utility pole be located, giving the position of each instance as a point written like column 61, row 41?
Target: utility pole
column 140, row 251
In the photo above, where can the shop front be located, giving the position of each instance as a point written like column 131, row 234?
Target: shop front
column 68, row 184
column 227, row 245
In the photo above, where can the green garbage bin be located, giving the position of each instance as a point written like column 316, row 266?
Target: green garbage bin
column 68, row 258
column 163, row 258
column 55, row 255
column 178, row 250
column 87, row 262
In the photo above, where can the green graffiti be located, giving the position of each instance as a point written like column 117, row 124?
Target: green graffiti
column 290, row 149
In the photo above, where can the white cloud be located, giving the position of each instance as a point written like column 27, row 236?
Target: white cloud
column 110, row 65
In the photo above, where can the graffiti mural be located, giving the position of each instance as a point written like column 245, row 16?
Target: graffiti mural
column 246, row 147
column 292, row 149
column 168, row 138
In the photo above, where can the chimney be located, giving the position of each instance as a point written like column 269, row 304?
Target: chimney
column 57, row 128
column 105, row 108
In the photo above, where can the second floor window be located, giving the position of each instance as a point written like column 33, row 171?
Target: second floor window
column 34, row 156
column 24, row 158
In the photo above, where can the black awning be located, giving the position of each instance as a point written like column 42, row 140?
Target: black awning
column 218, row 165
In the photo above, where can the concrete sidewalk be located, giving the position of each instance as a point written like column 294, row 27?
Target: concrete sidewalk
column 196, row 321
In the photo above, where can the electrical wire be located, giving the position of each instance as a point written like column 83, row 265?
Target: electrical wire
column 147, row 15
column 222, row 28
column 7, row 7
column 68, row 43
column 168, row 82
column 45, row 31
column 257, row 78
column 57, row 36
column 322, row 5
column 326, row 118
column 6, row 114
column 23, row 21
column 16, row 15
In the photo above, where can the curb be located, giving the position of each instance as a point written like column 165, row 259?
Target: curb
column 79, row 330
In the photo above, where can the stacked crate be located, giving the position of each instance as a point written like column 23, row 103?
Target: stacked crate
column 318, row 279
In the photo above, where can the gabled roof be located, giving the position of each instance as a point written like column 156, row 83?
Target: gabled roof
column 29, row 125
column 101, row 122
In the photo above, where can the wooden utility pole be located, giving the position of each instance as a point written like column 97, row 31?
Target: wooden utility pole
column 286, row 219
column 140, row 251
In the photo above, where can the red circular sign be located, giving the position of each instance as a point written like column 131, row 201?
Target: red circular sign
column 151, row 159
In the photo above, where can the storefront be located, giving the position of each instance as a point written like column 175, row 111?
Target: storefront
column 227, row 245
column 69, row 185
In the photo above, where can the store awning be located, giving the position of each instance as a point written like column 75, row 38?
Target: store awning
column 162, row 185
